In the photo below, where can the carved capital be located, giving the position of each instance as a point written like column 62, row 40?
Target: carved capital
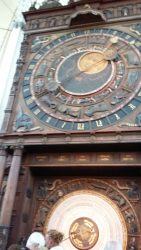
column 18, row 149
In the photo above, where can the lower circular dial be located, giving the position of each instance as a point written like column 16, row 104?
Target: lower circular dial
column 83, row 233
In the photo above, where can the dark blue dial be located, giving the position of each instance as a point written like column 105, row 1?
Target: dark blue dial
column 78, row 82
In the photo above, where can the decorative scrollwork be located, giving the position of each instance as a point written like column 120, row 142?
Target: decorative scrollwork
column 45, row 186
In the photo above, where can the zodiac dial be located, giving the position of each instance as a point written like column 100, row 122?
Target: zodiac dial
column 85, row 80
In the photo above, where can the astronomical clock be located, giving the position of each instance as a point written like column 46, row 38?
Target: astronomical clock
column 77, row 114
column 83, row 79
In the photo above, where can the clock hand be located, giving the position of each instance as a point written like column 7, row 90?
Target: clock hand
column 110, row 51
column 84, row 70
column 110, row 54
column 91, row 62
column 113, row 40
column 92, row 65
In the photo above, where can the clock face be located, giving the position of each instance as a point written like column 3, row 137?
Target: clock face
column 85, row 80
column 83, row 233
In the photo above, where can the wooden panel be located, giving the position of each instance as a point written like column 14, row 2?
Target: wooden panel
column 89, row 159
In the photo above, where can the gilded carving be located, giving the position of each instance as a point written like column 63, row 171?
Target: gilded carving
column 62, row 158
column 128, row 157
column 104, row 157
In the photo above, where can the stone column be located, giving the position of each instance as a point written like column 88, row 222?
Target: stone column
column 3, row 155
column 9, row 197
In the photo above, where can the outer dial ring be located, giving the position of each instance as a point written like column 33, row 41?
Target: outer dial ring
column 90, row 109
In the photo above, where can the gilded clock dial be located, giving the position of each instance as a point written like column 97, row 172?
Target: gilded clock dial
column 85, row 80
column 83, row 233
